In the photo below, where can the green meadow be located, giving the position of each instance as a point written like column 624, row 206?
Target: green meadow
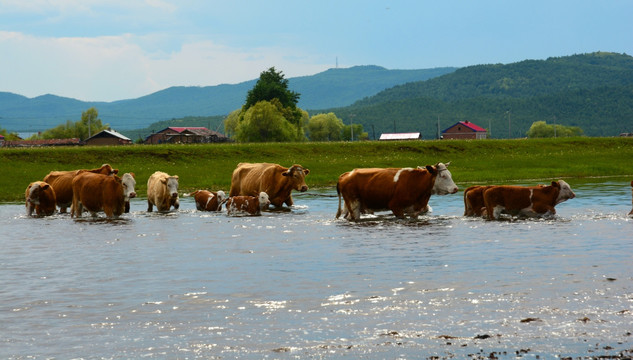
column 209, row 166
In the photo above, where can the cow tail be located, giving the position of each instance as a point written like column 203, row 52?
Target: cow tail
column 338, row 192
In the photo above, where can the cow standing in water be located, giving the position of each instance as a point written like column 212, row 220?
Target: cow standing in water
column 98, row 192
column 162, row 191
column 401, row 190
column 273, row 179
column 40, row 196
column 62, row 182
column 526, row 201
column 244, row 204
column 209, row 200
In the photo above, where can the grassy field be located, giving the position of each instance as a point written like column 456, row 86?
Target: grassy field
column 209, row 166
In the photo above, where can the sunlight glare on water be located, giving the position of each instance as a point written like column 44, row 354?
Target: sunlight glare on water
column 190, row 284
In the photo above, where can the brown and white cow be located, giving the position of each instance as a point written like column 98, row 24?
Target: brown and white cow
column 209, row 200
column 162, row 191
column 631, row 213
column 275, row 180
column 98, row 192
column 40, row 196
column 401, row 190
column 529, row 201
column 245, row 204
column 474, row 200
column 62, row 182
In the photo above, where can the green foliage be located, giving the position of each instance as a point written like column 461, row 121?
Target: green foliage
column 269, row 114
column 271, row 85
column 264, row 122
column 354, row 132
column 540, row 129
column 89, row 125
column 9, row 136
column 325, row 127
column 590, row 91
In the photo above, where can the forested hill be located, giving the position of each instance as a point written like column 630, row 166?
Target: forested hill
column 593, row 91
column 331, row 88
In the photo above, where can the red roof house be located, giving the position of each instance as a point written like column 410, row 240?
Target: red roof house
column 465, row 130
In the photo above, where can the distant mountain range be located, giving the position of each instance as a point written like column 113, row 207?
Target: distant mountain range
column 331, row 88
column 592, row 91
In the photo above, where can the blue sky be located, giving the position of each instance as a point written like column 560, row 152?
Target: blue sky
column 106, row 50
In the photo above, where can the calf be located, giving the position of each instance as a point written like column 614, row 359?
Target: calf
column 526, row 201
column 474, row 200
column 251, row 205
column 209, row 200
column 40, row 197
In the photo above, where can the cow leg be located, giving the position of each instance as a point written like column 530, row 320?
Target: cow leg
column 29, row 208
column 289, row 201
column 150, row 206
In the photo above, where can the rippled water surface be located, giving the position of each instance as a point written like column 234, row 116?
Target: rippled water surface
column 300, row 284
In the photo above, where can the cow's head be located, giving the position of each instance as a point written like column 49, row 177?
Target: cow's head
column 221, row 196
column 264, row 201
column 128, row 182
column 443, row 181
column 172, row 185
column 34, row 192
column 297, row 177
column 565, row 191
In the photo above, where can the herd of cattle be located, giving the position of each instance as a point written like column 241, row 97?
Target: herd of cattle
column 403, row 191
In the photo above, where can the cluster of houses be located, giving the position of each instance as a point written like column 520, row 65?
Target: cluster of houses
column 200, row 135
column 170, row 135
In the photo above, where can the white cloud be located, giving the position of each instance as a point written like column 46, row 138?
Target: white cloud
column 111, row 68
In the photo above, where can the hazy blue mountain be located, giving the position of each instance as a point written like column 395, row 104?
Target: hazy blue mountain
column 331, row 88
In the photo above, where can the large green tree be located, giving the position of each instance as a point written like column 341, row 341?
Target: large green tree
column 540, row 129
column 325, row 127
column 270, row 112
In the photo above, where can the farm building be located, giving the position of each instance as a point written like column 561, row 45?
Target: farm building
column 1, row 139
column 108, row 137
column 465, row 130
column 185, row 135
column 400, row 136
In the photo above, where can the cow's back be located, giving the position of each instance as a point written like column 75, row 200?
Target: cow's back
column 98, row 192
column 62, row 182
column 251, row 178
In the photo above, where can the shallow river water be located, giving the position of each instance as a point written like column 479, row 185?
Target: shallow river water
column 300, row 284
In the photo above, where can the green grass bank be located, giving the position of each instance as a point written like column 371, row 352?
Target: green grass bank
column 209, row 166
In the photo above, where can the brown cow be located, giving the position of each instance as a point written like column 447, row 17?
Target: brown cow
column 273, row 179
column 209, row 200
column 98, row 192
column 526, row 201
column 631, row 213
column 401, row 190
column 40, row 196
column 62, row 182
column 162, row 191
column 474, row 200
column 244, row 204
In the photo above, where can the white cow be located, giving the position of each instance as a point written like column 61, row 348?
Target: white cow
column 162, row 191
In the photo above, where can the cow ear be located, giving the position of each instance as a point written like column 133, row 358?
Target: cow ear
column 430, row 169
column 45, row 186
column 306, row 171
column 163, row 180
column 176, row 177
column 115, row 171
column 286, row 173
column 555, row 184
column 133, row 175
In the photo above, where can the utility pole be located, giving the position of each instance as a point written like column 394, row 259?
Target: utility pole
column 351, row 126
column 509, row 125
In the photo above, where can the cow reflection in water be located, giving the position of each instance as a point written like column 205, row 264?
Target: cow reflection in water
column 404, row 191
